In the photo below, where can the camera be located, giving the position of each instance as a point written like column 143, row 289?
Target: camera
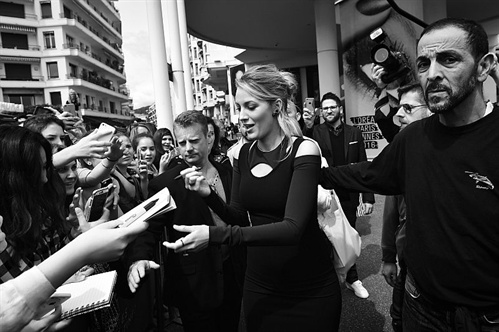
column 382, row 54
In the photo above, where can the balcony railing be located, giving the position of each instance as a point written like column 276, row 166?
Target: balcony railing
column 30, row 47
column 27, row 16
column 75, row 16
column 92, row 77
column 113, row 65
column 96, row 12
column 33, row 78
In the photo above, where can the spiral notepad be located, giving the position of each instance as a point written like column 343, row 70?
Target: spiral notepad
column 93, row 293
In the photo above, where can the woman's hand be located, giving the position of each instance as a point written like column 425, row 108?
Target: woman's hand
column 165, row 160
column 143, row 170
column 116, row 150
column 77, row 202
column 83, row 224
column 106, row 242
column 48, row 322
column 90, row 146
column 196, row 240
column 195, row 181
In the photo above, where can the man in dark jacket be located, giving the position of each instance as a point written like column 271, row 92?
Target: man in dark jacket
column 342, row 144
column 206, row 286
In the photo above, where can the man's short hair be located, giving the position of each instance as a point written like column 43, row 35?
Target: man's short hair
column 416, row 87
column 477, row 39
column 330, row 95
column 189, row 118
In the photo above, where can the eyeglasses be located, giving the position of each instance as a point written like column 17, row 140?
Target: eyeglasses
column 409, row 109
column 332, row 108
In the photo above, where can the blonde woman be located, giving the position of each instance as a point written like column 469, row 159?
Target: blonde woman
column 290, row 282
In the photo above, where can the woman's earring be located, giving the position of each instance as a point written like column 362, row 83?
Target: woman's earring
column 275, row 113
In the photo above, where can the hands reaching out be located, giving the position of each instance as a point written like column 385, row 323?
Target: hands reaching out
column 77, row 211
column 137, row 271
column 197, row 239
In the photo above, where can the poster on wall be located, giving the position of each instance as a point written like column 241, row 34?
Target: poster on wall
column 395, row 35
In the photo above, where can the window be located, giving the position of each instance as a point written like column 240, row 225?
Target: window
column 87, row 101
column 18, row 71
column 15, row 40
column 70, row 41
column 55, row 98
column 52, row 70
column 112, row 107
column 46, row 10
column 26, row 100
column 49, row 39
column 12, row 9
column 73, row 70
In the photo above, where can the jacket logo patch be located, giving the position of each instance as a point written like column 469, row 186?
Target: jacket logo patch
column 482, row 182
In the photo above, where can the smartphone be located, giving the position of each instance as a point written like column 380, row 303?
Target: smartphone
column 70, row 108
column 52, row 302
column 96, row 204
column 107, row 130
column 309, row 104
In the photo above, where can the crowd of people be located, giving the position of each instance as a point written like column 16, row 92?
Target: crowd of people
column 244, row 237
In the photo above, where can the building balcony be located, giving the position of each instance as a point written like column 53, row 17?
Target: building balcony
column 33, row 51
column 93, row 59
column 36, row 82
column 100, row 18
column 91, row 82
column 29, row 20
column 77, row 22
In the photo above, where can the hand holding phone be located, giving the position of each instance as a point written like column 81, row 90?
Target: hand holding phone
column 105, row 132
column 96, row 203
column 309, row 104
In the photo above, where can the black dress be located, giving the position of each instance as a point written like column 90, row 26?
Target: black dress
column 290, row 282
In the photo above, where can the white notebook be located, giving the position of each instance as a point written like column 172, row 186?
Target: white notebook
column 95, row 292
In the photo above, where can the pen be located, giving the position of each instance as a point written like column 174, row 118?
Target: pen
column 140, row 212
column 180, row 175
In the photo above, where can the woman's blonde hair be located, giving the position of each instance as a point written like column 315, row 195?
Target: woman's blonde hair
column 268, row 83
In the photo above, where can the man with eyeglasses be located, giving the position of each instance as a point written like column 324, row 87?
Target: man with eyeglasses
column 447, row 167
column 412, row 108
column 342, row 144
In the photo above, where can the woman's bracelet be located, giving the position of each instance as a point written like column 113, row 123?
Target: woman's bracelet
column 113, row 161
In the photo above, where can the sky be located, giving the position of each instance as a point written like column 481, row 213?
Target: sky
column 136, row 49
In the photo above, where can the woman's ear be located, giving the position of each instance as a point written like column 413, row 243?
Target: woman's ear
column 278, row 105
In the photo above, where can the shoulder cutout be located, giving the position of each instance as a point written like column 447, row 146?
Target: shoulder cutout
column 308, row 148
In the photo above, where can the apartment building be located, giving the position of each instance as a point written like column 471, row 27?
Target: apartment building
column 48, row 47
column 211, row 68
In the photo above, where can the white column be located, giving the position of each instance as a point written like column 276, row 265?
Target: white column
column 327, row 47
column 182, row 24
column 232, row 114
column 176, row 55
column 161, row 80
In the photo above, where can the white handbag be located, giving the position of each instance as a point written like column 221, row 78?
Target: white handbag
column 344, row 238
